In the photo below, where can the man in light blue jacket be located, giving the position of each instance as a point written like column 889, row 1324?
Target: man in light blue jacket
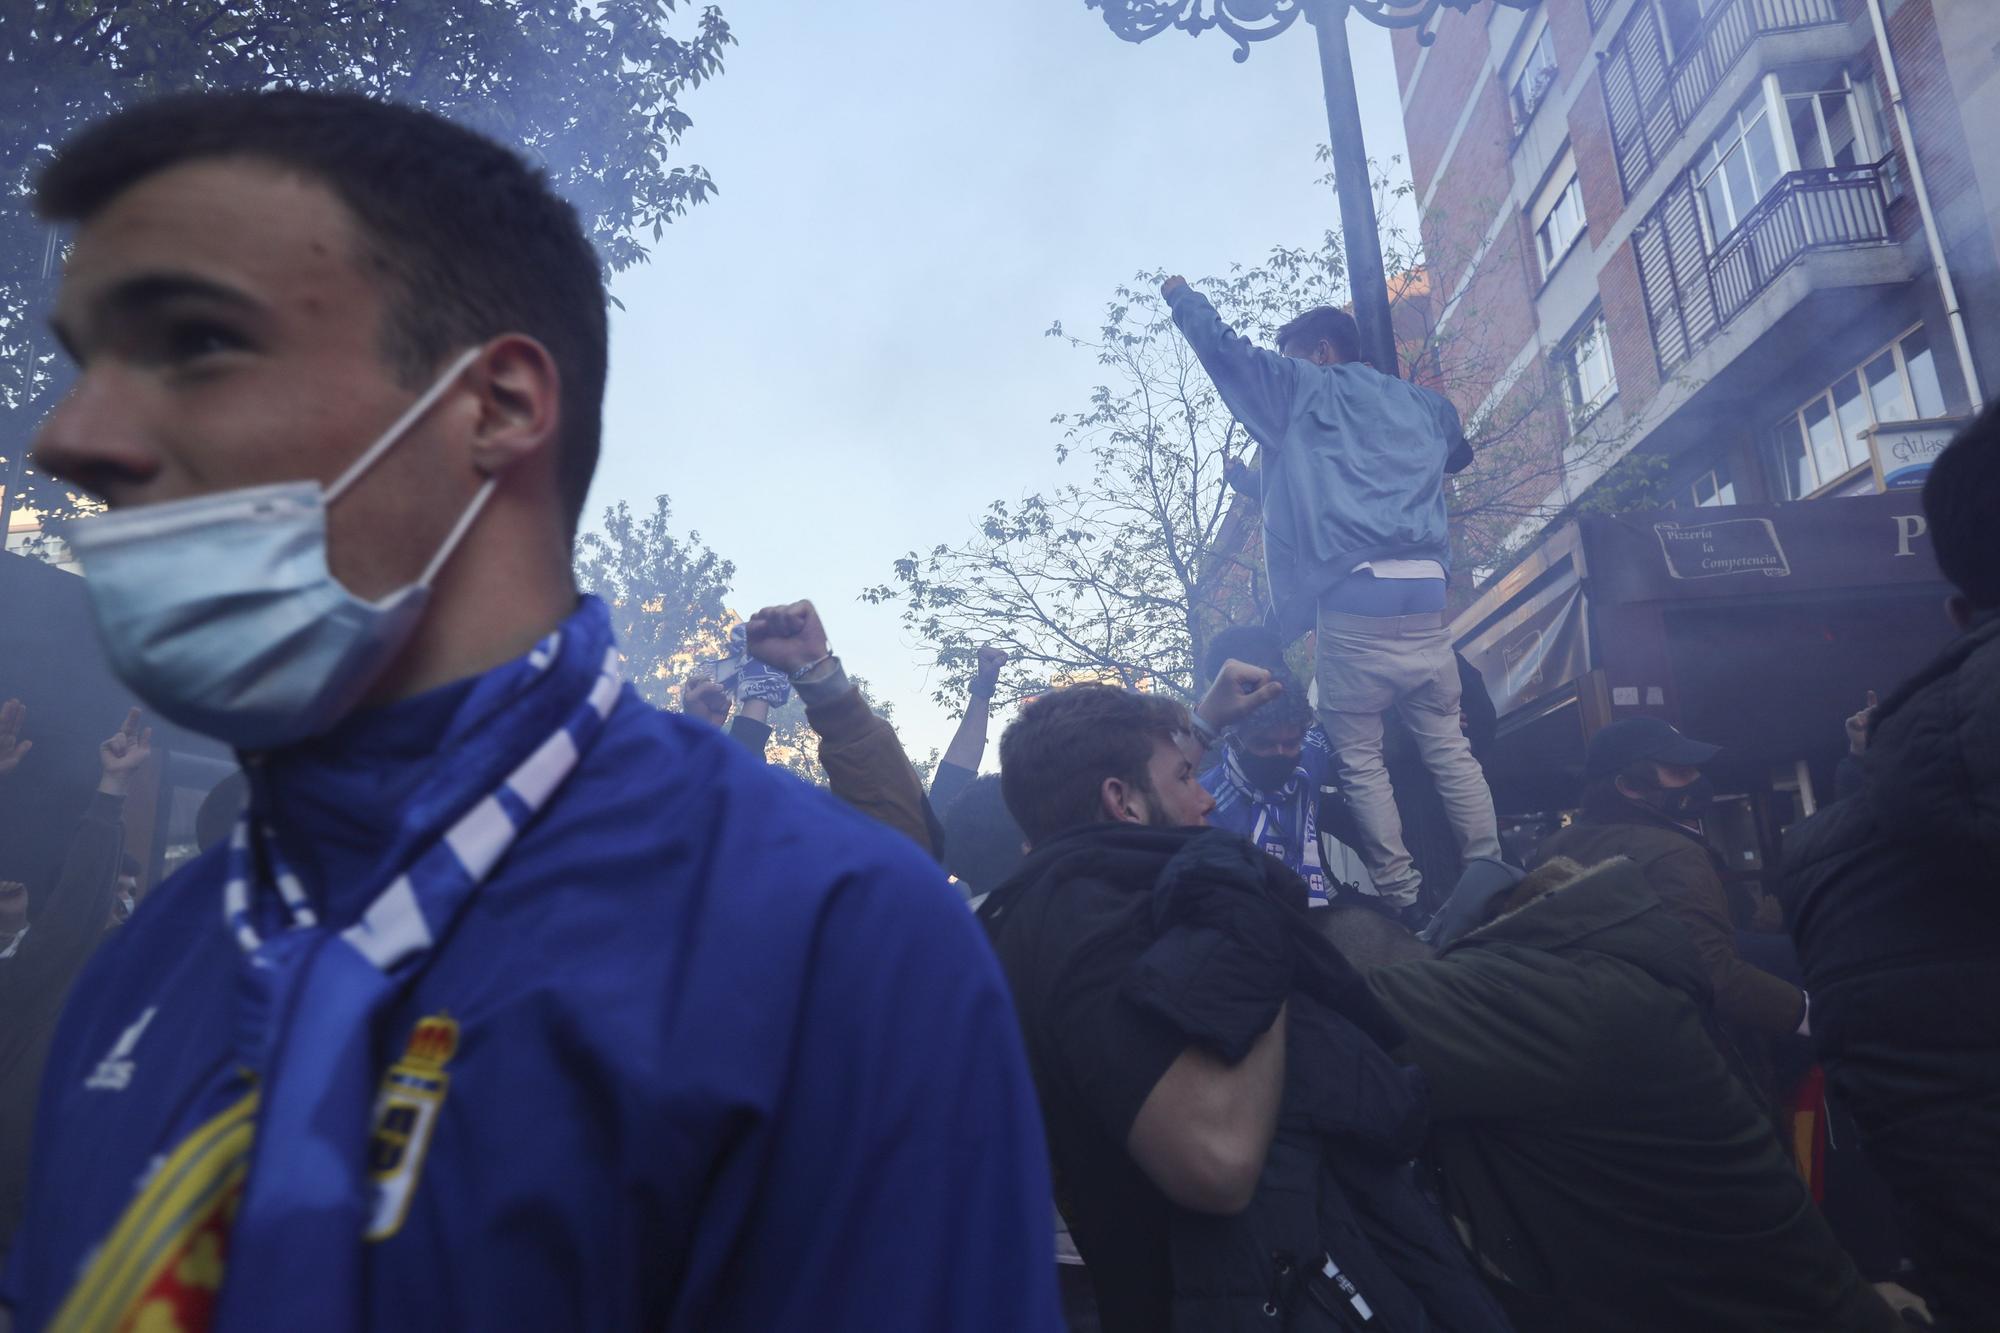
column 1356, row 547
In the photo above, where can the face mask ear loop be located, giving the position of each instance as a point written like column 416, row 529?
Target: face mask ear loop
column 458, row 532
column 402, row 424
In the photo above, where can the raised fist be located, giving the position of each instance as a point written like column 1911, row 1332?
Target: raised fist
column 1239, row 690
column 789, row 638
column 987, row 678
column 701, row 697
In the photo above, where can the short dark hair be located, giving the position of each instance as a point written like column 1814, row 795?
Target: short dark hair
column 1328, row 322
column 471, row 241
column 982, row 841
column 1057, row 752
column 1251, row 644
column 1961, row 497
column 1288, row 712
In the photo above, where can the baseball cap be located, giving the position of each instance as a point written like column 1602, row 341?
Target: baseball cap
column 1631, row 739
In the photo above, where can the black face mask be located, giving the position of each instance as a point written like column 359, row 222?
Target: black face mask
column 1267, row 772
column 1683, row 803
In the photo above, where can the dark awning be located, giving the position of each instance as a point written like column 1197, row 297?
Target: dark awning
column 1757, row 627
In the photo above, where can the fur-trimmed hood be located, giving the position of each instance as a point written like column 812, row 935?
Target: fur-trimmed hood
column 1606, row 910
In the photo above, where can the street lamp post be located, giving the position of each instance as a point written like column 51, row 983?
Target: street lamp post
column 1248, row 21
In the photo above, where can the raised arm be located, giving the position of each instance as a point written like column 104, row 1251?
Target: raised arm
column 61, row 938
column 1255, row 383
column 864, row 761
column 968, row 743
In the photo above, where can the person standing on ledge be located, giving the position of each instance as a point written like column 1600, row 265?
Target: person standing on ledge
column 1356, row 547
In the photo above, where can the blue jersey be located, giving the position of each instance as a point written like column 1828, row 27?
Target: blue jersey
column 706, row 1051
column 1285, row 822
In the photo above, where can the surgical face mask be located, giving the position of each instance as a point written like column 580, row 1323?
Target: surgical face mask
column 221, row 613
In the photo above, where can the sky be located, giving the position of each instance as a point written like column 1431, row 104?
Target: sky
column 840, row 357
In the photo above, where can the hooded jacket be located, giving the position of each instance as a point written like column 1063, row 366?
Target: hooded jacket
column 1210, row 937
column 1893, row 897
column 1605, row 1163
column 1684, row 871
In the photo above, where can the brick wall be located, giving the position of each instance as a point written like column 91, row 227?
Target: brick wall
column 1478, row 181
column 1933, row 104
column 1449, row 75
column 1633, row 358
column 1596, row 166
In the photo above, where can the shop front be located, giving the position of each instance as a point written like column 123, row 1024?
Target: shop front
column 1758, row 628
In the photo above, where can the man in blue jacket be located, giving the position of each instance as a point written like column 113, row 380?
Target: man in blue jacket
column 510, row 1002
column 1356, row 547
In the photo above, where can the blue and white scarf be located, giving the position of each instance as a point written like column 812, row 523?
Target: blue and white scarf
column 311, row 998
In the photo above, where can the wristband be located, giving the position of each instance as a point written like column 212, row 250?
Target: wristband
column 1204, row 730
column 810, row 667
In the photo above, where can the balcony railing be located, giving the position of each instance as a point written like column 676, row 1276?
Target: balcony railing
column 1692, row 293
column 1652, row 92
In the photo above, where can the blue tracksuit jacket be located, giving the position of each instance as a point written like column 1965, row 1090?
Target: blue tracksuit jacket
column 730, row 1057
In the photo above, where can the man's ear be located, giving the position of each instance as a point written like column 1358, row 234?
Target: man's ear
column 520, row 409
column 1119, row 802
column 1959, row 607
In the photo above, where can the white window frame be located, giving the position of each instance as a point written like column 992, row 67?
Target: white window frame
column 1861, row 109
column 1794, row 421
column 1781, row 141
column 1552, row 203
column 1718, row 477
column 1595, row 334
column 1525, row 98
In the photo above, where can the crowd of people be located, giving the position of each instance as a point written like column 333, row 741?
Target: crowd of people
column 498, row 998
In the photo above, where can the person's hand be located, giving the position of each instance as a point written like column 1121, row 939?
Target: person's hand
column 1857, row 727
column 1239, row 690
column 1172, row 285
column 12, row 748
column 789, row 638
column 987, row 679
column 701, row 697
column 120, row 756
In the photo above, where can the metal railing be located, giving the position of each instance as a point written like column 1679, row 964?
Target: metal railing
column 1652, row 92
column 1809, row 210
column 1692, row 293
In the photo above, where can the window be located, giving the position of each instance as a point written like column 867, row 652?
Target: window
column 1715, row 487
column 1558, row 215
column 1738, row 167
column 1831, row 124
column 1682, row 21
column 1587, row 372
column 1537, row 76
column 1823, row 441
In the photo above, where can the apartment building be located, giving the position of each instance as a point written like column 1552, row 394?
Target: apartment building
column 1755, row 239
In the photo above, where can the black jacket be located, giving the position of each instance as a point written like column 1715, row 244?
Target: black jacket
column 1220, row 940
column 1893, row 897
column 1595, row 1143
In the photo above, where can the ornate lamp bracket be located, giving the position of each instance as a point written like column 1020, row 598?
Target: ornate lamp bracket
column 1247, row 21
